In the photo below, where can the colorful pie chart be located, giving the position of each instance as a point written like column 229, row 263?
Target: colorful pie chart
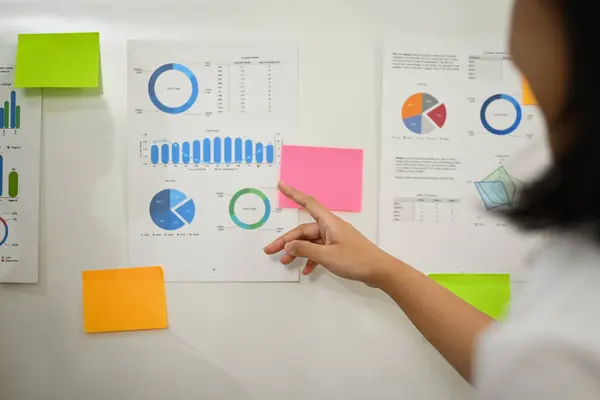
column 422, row 113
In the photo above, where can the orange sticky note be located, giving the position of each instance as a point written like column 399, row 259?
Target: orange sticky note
column 127, row 299
column 528, row 97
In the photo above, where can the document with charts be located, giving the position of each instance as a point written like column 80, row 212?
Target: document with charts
column 457, row 146
column 20, row 138
column 207, row 122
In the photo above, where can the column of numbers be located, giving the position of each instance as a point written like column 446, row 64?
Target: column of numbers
column 270, row 89
column 222, row 106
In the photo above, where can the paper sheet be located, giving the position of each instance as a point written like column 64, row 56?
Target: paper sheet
column 207, row 125
column 58, row 60
column 20, row 138
column 332, row 175
column 457, row 147
column 489, row 293
column 125, row 299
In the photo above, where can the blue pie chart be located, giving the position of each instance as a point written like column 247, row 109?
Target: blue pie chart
column 171, row 209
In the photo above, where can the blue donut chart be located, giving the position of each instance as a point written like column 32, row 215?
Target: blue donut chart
column 152, row 88
column 510, row 129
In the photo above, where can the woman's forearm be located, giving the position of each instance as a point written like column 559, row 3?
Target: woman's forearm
column 447, row 322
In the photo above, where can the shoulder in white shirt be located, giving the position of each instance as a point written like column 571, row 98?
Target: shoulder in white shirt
column 549, row 347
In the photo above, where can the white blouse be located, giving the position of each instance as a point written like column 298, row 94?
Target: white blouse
column 549, row 347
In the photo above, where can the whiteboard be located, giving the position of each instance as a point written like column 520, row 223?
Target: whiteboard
column 321, row 339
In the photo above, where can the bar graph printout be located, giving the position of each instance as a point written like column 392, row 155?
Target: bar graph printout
column 20, row 132
column 208, row 121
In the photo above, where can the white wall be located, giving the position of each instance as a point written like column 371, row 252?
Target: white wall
column 321, row 339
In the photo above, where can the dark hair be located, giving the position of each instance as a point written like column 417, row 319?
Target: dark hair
column 567, row 196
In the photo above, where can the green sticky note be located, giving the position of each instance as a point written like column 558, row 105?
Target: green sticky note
column 58, row 60
column 489, row 293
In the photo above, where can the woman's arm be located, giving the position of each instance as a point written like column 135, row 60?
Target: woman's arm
column 449, row 323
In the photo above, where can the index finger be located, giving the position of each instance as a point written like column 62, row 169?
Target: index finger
column 314, row 208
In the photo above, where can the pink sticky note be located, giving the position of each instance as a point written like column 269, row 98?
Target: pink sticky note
column 333, row 176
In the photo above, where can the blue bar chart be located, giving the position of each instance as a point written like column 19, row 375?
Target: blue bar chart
column 248, row 151
column 227, row 150
column 165, row 153
column 197, row 152
column 175, row 153
column 238, row 151
column 186, row 153
column 213, row 151
column 217, row 150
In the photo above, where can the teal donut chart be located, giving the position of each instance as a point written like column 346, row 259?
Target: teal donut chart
column 244, row 192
